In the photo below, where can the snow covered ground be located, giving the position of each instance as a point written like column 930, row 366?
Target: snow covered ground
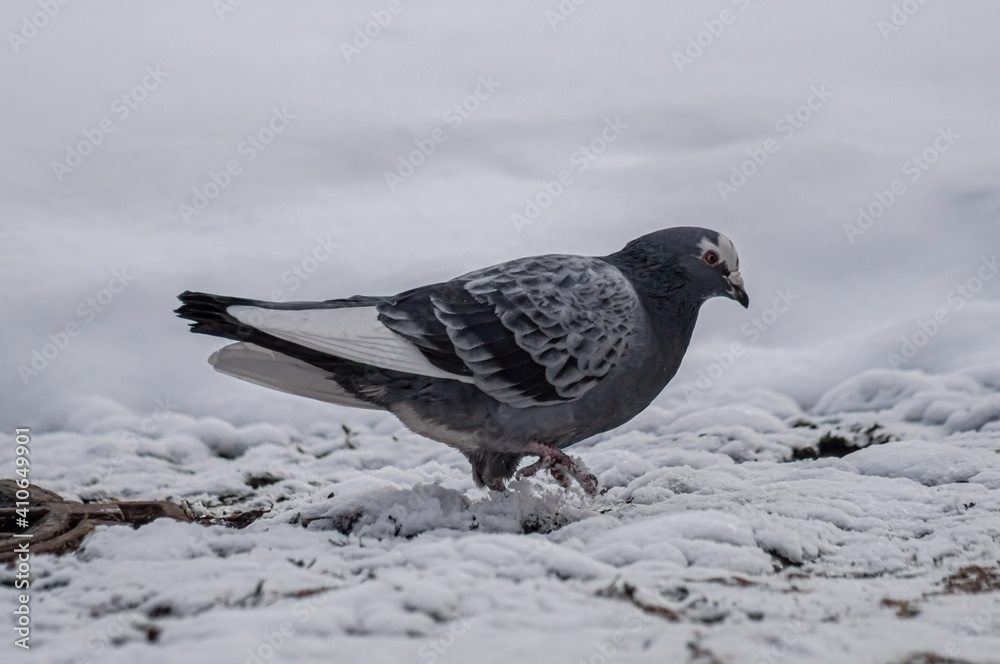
column 820, row 483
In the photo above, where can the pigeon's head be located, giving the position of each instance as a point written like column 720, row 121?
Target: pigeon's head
column 701, row 262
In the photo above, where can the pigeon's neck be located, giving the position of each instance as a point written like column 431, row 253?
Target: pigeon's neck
column 663, row 287
column 672, row 305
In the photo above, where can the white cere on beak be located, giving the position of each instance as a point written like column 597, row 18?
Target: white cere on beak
column 736, row 279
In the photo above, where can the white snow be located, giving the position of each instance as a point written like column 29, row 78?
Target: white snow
column 813, row 485
column 942, row 464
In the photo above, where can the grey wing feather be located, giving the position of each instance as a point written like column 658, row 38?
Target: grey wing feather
column 572, row 315
column 529, row 332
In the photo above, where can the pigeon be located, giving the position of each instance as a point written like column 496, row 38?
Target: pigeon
column 519, row 359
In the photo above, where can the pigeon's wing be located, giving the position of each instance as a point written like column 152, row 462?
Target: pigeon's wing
column 530, row 332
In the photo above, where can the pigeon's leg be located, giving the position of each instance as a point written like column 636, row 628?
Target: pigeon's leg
column 561, row 465
column 546, row 461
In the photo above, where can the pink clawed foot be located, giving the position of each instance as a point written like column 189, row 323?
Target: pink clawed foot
column 561, row 466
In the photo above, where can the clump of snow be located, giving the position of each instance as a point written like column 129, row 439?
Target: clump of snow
column 751, row 418
column 225, row 440
column 708, row 539
column 981, row 414
column 876, row 389
column 962, row 401
column 929, row 463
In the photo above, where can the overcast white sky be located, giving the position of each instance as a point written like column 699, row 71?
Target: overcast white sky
column 163, row 95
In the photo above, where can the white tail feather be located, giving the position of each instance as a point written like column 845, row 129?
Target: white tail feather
column 267, row 368
column 353, row 333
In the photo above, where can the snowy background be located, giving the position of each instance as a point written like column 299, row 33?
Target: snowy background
column 721, row 538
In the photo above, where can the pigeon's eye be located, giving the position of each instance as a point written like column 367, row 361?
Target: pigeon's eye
column 711, row 258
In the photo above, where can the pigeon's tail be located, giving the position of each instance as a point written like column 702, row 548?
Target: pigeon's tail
column 270, row 361
column 209, row 314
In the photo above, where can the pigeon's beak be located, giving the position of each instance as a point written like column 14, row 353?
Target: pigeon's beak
column 736, row 288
